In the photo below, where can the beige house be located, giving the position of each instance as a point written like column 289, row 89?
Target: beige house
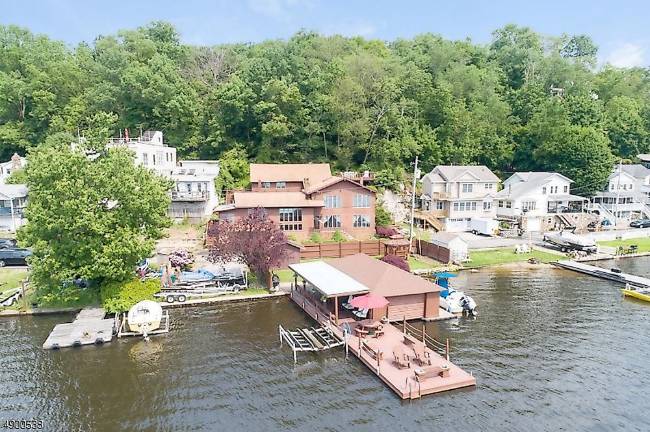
column 455, row 194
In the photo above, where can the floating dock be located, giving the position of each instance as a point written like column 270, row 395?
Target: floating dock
column 603, row 273
column 310, row 339
column 89, row 328
column 377, row 353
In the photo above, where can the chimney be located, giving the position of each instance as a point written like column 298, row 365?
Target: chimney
column 305, row 183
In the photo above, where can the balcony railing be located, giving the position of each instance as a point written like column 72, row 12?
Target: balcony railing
column 190, row 195
column 6, row 211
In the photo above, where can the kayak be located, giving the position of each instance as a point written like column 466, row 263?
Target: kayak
column 641, row 295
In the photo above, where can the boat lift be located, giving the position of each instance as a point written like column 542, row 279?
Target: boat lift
column 122, row 324
column 310, row 339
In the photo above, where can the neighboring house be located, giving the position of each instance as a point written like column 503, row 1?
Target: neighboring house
column 194, row 195
column 536, row 195
column 645, row 160
column 305, row 198
column 456, row 194
column 150, row 151
column 458, row 248
column 627, row 195
column 6, row 168
column 13, row 199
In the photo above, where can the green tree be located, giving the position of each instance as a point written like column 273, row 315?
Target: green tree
column 233, row 170
column 89, row 217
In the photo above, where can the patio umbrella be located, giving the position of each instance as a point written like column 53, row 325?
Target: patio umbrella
column 369, row 301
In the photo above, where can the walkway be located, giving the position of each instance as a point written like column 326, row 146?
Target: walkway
column 604, row 273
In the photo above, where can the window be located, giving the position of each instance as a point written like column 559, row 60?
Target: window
column 266, row 185
column 467, row 187
column 611, row 186
column 508, row 204
column 332, row 201
column 360, row 221
column 456, row 206
column 145, row 159
column 465, row 206
column 333, row 221
column 500, row 203
column 440, row 205
column 361, row 201
column 566, row 189
column 631, row 186
column 487, row 206
column 291, row 219
column 489, row 185
column 544, row 190
column 528, row 205
column 281, row 185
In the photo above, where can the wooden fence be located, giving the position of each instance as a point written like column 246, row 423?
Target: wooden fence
column 431, row 250
column 342, row 249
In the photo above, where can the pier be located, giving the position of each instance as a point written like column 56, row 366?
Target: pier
column 603, row 273
column 89, row 328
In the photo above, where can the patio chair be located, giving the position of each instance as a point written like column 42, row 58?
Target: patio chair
column 421, row 355
column 347, row 305
column 361, row 313
column 431, row 372
column 379, row 331
column 402, row 359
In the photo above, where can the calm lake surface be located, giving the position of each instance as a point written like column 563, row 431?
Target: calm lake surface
column 551, row 350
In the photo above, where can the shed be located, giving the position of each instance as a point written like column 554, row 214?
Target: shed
column 458, row 248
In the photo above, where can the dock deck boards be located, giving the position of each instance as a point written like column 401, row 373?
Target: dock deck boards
column 401, row 381
column 604, row 273
column 89, row 327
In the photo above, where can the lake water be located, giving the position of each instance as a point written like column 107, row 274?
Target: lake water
column 551, row 350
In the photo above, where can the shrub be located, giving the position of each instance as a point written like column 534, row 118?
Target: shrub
column 397, row 262
column 382, row 216
column 315, row 238
column 338, row 236
column 385, row 232
column 181, row 258
column 121, row 296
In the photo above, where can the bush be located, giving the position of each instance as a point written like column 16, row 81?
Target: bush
column 385, row 232
column 338, row 236
column 382, row 216
column 181, row 258
column 121, row 296
column 315, row 238
column 397, row 262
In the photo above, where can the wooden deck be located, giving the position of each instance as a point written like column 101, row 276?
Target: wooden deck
column 401, row 381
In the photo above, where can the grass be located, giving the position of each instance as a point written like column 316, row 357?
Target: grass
column 10, row 278
column 416, row 264
column 489, row 257
column 643, row 243
column 285, row 275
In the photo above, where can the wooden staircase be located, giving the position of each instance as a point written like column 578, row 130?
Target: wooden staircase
column 428, row 219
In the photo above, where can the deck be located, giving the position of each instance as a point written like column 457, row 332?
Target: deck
column 401, row 381
column 89, row 328
column 603, row 273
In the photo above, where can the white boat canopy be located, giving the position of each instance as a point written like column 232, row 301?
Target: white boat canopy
column 330, row 281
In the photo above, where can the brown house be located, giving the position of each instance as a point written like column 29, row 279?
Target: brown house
column 306, row 198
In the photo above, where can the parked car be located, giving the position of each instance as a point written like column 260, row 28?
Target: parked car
column 640, row 223
column 7, row 243
column 14, row 256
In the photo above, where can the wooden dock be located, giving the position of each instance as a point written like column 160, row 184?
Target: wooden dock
column 377, row 354
column 89, row 328
column 603, row 273
column 310, row 339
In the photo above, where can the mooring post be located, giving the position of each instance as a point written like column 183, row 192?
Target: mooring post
column 447, row 348
column 280, row 333
column 404, row 324
column 424, row 334
column 295, row 360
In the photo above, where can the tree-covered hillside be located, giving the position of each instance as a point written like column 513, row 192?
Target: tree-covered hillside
column 522, row 102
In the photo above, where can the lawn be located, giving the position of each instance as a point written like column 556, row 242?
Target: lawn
column 10, row 278
column 416, row 264
column 286, row 275
column 488, row 257
column 643, row 243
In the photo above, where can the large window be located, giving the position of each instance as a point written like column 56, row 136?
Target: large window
column 291, row 219
column 361, row 201
column 487, row 205
column 360, row 221
column 332, row 201
column 468, row 187
column 465, row 206
column 281, row 185
column 528, row 205
column 145, row 159
column 333, row 221
column 440, row 205
column 266, row 185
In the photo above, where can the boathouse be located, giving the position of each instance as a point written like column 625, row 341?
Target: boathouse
column 331, row 284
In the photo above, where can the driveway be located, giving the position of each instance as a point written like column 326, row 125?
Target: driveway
column 484, row 242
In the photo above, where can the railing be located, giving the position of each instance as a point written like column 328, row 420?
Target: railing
column 6, row 211
column 190, row 195
column 428, row 341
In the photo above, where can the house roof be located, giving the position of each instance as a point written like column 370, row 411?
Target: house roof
column 328, row 280
column 382, row 278
column 332, row 181
column 530, row 182
column 444, row 238
column 13, row 190
column 447, row 173
column 637, row 171
column 316, row 173
column 645, row 157
column 273, row 199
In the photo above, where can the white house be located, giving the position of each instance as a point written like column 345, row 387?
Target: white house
column 456, row 194
column 458, row 248
column 534, row 195
column 627, row 195
column 194, row 195
column 6, row 168
column 150, row 151
column 13, row 199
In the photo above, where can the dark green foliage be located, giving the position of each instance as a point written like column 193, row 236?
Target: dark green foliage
column 121, row 296
column 382, row 216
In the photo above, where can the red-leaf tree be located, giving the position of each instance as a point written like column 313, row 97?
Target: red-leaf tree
column 397, row 262
column 254, row 239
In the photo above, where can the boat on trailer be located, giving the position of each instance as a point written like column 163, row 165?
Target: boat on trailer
column 636, row 292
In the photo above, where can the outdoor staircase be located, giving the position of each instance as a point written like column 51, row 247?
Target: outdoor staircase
column 435, row 223
column 602, row 211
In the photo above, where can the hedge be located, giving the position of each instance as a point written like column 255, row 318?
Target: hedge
column 121, row 296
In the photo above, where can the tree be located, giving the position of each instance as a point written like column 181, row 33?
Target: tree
column 90, row 218
column 254, row 239
column 233, row 170
column 382, row 216
column 398, row 262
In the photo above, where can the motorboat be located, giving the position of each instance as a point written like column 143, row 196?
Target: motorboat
column 144, row 317
column 567, row 240
column 451, row 300
column 636, row 292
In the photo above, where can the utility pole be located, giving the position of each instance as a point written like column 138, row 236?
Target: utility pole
column 415, row 179
column 618, row 191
